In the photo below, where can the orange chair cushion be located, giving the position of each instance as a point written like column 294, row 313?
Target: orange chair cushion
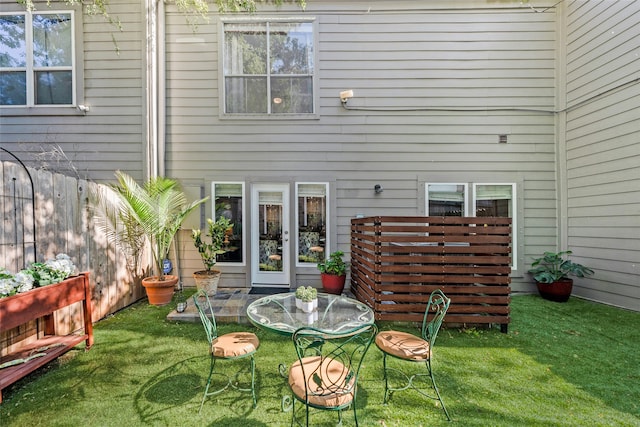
column 403, row 345
column 234, row 344
column 332, row 392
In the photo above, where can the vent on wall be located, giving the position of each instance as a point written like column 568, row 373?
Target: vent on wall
column 502, row 139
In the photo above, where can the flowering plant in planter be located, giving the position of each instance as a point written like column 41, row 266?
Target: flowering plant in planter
column 37, row 275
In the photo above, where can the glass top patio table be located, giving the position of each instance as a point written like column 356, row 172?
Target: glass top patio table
column 335, row 313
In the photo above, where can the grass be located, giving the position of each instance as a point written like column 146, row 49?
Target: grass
column 571, row 364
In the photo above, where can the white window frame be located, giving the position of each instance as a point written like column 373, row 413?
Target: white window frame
column 514, row 215
column 243, row 222
column 327, row 233
column 267, row 116
column 77, row 88
column 464, row 199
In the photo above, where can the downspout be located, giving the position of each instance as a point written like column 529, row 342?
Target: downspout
column 161, row 88
column 152, row 93
column 562, row 204
column 155, row 88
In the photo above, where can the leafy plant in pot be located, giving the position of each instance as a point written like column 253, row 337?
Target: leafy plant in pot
column 333, row 273
column 156, row 209
column 208, row 278
column 551, row 273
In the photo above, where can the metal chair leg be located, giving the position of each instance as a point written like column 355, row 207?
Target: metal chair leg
column 435, row 387
column 212, row 365
column 253, row 381
column 386, row 378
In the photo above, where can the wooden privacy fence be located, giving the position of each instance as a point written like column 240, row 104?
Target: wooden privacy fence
column 44, row 214
column 396, row 262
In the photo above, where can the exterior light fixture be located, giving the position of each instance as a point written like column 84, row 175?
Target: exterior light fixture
column 345, row 95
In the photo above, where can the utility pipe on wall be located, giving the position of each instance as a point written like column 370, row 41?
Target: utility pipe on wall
column 156, row 88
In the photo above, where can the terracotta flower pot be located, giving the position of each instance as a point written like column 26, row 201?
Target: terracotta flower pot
column 559, row 291
column 160, row 292
column 332, row 284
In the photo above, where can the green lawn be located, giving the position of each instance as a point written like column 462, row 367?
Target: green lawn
column 571, row 364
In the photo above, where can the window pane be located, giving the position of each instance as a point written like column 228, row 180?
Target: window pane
column 246, row 95
column 292, row 95
column 291, row 48
column 494, row 200
column 312, row 222
column 270, row 225
column 245, row 49
column 13, row 52
column 53, row 87
column 13, row 88
column 446, row 200
column 52, row 40
column 228, row 204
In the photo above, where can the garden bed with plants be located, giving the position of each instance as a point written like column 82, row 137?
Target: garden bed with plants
column 33, row 294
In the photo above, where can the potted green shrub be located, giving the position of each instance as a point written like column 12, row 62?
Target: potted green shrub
column 551, row 272
column 305, row 295
column 208, row 278
column 333, row 272
column 156, row 209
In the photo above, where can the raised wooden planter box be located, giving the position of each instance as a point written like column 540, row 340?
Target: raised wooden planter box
column 19, row 309
column 396, row 262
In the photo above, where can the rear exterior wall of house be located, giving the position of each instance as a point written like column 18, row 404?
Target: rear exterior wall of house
column 434, row 90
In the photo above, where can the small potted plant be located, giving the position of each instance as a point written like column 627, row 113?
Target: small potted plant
column 551, row 273
column 208, row 278
column 308, row 295
column 300, row 291
column 305, row 295
column 333, row 272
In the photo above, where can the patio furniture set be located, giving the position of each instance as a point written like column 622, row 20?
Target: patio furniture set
column 330, row 346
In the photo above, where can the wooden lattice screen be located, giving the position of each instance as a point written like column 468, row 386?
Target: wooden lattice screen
column 396, row 262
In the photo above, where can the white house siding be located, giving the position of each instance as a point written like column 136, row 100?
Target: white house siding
column 446, row 81
column 603, row 148
column 111, row 135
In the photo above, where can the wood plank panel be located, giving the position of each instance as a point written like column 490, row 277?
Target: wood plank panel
column 396, row 262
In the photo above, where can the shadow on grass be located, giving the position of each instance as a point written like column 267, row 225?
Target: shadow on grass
column 173, row 387
column 181, row 386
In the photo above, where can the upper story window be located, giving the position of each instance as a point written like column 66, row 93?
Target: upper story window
column 37, row 59
column 268, row 68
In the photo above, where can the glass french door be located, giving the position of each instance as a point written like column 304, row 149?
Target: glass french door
column 270, row 235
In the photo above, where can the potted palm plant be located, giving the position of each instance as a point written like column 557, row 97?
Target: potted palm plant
column 208, row 278
column 158, row 209
column 333, row 272
column 551, row 272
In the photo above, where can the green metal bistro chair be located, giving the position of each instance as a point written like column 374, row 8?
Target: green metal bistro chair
column 231, row 346
column 408, row 347
column 325, row 376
